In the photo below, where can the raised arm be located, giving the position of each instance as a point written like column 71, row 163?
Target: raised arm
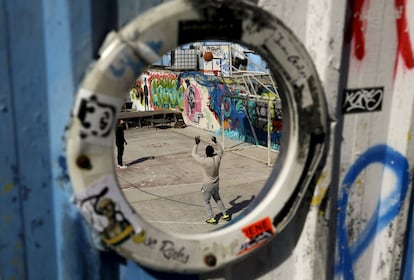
column 219, row 146
column 194, row 153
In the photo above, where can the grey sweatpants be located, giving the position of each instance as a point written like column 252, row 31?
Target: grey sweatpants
column 208, row 191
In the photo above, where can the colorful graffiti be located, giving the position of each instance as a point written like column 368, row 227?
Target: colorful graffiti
column 157, row 90
column 243, row 118
column 206, row 101
column 192, row 101
column 166, row 92
column 386, row 210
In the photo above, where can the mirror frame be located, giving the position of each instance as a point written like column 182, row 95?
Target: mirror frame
column 123, row 57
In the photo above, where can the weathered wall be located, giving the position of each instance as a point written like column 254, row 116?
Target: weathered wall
column 365, row 63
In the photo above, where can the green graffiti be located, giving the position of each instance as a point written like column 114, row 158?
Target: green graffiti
column 164, row 92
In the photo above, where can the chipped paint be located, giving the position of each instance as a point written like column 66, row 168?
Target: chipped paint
column 320, row 192
column 7, row 188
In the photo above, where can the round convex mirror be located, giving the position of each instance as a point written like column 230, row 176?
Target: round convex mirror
column 208, row 89
column 128, row 55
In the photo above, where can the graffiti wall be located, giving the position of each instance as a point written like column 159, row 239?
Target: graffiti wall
column 210, row 103
column 373, row 200
column 368, row 233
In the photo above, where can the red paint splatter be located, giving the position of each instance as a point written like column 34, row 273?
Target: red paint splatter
column 359, row 25
column 404, row 43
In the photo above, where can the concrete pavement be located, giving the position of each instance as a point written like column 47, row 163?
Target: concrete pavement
column 163, row 181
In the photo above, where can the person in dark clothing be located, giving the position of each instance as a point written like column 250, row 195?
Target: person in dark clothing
column 146, row 95
column 210, row 189
column 120, row 142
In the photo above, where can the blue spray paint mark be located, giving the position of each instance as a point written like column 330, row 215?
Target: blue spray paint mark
column 125, row 62
column 386, row 210
column 156, row 46
column 63, row 176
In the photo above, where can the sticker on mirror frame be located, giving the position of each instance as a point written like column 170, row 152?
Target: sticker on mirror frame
column 104, row 208
column 97, row 114
column 257, row 234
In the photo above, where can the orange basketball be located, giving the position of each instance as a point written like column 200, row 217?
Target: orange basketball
column 208, row 56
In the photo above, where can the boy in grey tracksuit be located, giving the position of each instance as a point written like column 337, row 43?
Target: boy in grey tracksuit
column 211, row 165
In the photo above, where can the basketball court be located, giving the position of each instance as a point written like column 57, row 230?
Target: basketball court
column 163, row 181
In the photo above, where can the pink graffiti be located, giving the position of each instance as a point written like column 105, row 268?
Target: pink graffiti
column 404, row 48
column 192, row 102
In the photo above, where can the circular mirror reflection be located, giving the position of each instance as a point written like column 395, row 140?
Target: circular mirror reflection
column 206, row 89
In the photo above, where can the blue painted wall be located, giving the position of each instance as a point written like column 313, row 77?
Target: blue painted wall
column 45, row 48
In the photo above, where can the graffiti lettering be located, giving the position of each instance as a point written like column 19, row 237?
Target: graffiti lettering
column 170, row 253
column 279, row 42
column 257, row 228
column 149, row 242
column 296, row 62
column 362, row 100
column 387, row 209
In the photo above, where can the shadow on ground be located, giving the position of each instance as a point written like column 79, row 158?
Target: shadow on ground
column 139, row 160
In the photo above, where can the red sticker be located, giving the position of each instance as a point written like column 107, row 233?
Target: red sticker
column 256, row 229
column 257, row 233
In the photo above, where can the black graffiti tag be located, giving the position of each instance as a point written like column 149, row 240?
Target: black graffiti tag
column 296, row 62
column 362, row 100
column 151, row 243
column 171, row 253
column 280, row 42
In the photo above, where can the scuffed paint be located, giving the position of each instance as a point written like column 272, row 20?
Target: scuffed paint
column 8, row 187
column 7, row 218
column 63, row 176
column 321, row 192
